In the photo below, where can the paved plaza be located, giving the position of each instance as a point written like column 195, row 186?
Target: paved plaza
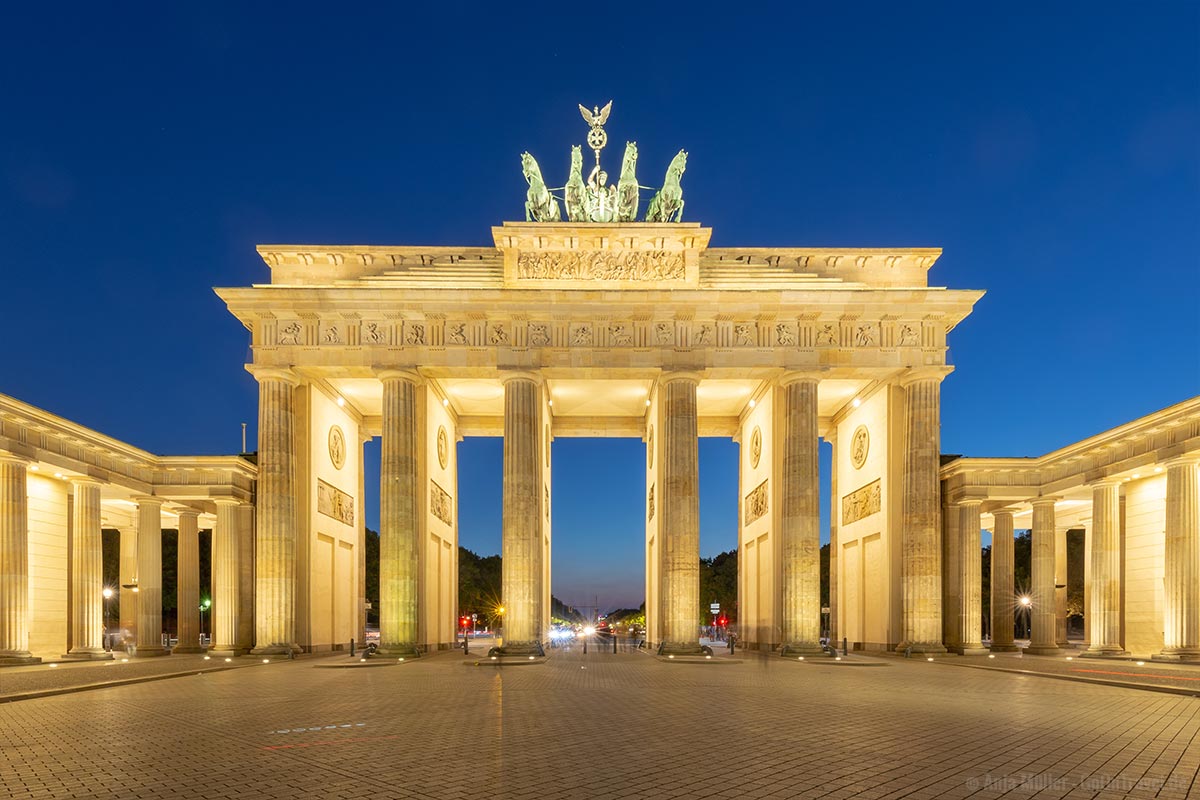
column 600, row 726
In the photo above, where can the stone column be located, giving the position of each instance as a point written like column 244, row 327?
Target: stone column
column 921, row 544
column 800, row 515
column 149, row 568
column 226, row 577
column 1060, row 587
column 1105, row 625
column 834, row 547
column 87, row 582
column 400, row 515
column 1044, row 600
column 1003, row 590
column 970, row 580
column 522, row 527
column 276, row 545
column 680, row 475
column 14, row 561
column 1087, row 585
column 187, row 583
column 952, row 599
column 245, row 636
column 1181, row 613
column 127, row 570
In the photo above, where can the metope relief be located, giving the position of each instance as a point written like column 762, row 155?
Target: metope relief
column 333, row 502
column 539, row 334
column 650, row 504
column 414, row 333
column 861, row 503
column 440, row 503
column 456, row 333
column 375, row 333
column 601, row 265
column 756, row 503
column 910, row 335
column 290, row 333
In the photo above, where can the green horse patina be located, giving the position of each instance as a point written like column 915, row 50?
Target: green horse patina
column 667, row 203
column 540, row 206
column 575, row 193
column 627, row 186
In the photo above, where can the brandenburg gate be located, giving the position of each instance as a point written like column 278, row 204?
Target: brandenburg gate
column 599, row 325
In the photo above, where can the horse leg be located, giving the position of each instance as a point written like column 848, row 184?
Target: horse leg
column 679, row 211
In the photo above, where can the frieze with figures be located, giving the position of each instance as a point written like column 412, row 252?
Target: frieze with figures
column 862, row 503
column 756, row 503
column 440, row 503
column 333, row 502
column 601, row 265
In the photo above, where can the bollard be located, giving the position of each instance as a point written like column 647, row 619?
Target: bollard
column 845, row 652
column 585, row 645
column 614, row 644
column 730, row 645
column 352, row 647
column 466, row 651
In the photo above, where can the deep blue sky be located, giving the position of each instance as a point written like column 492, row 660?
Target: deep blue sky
column 1050, row 149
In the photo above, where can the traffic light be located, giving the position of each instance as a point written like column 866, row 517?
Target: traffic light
column 722, row 620
column 464, row 622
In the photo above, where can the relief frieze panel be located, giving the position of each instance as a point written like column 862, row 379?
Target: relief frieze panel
column 333, row 502
column 440, row 503
column 756, row 503
column 601, row 265
column 862, row 503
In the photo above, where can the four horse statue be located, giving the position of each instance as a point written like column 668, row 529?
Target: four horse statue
column 540, row 206
column 574, row 193
column 627, row 186
column 668, row 201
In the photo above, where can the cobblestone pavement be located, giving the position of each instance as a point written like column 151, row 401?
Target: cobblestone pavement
column 602, row 726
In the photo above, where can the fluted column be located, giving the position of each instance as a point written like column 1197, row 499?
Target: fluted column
column 276, row 545
column 226, row 578
column 970, row 578
column 187, row 583
column 1043, row 600
column 149, row 568
column 1105, row 625
column 1181, row 612
column 921, row 544
column 399, row 515
column 800, row 515
column 522, row 530
column 14, row 561
column 680, row 476
column 87, row 582
column 1060, row 587
column 245, row 636
column 1087, row 585
column 127, row 571
column 1003, row 590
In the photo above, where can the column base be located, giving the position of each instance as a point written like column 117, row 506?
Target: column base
column 802, row 649
column 182, row 649
column 288, row 650
column 399, row 650
column 18, row 659
column 1004, row 648
column 680, row 649
column 88, row 654
column 1105, row 652
column 226, row 652
column 1177, row 656
column 519, row 649
column 974, row 649
column 1042, row 650
column 144, row 651
column 921, row 648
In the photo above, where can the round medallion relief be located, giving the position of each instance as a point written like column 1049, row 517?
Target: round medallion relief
column 337, row 447
column 755, row 447
column 860, row 442
column 650, row 449
column 443, row 446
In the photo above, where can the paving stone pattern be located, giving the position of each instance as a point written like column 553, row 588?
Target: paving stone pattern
column 602, row 726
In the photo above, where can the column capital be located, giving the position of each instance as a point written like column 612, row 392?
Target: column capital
column 797, row 375
column 1043, row 501
column 1105, row 482
column 520, row 375
column 187, row 512
column 224, row 501
column 412, row 376
column 918, row 374
column 1004, row 512
column 274, row 374
column 969, row 501
column 146, row 500
column 85, row 480
column 672, row 375
column 16, row 460
column 1185, row 460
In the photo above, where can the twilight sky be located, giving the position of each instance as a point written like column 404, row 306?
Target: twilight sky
column 1052, row 150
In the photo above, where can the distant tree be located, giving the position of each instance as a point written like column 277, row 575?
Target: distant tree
column 718, row 584
column 824, row 575
column 1022, row 561
column 371, row 579
column 1075, row 573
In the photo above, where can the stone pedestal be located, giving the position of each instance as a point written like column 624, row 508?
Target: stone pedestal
column 275, row 556
column 680, row 476
column 970, row 619
column 1003, row 590
column 226, row 579
column 399, row 515
column 1043, row 601
column 1181, row 596
column 800, row 516
column 921, row 543
column 87, row 582
column 1105, row 625
column 14, row 562
column 187, row 582
column 149, row 591
column 522, row 531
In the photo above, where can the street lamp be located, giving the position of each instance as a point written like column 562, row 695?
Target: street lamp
column 108, row 593
column 1026, row 601
column 205, row 605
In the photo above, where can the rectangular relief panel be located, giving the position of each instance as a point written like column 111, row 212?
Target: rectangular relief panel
column 333, row 502
column 861, row 503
